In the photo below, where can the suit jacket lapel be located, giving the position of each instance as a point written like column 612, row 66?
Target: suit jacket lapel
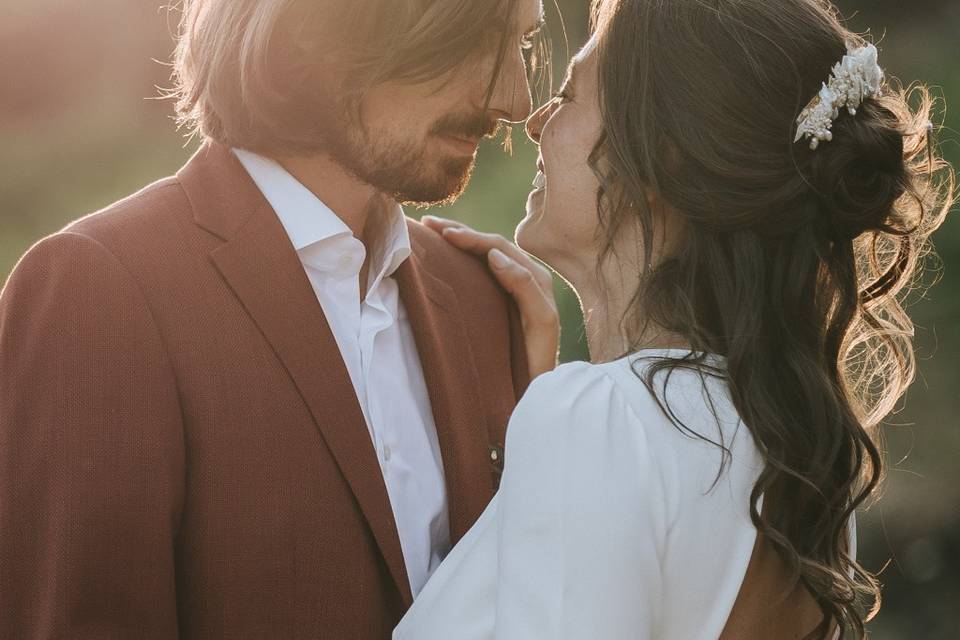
column 453, row 385
column 263, row 270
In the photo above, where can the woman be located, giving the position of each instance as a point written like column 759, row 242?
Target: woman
column 740, row 273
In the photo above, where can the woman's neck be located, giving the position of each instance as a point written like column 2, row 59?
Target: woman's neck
column 608, row 326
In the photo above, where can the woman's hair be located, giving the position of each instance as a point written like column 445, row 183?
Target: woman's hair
column 794, row 263
column 258, row 74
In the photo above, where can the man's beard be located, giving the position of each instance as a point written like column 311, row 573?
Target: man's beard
column 403, row 169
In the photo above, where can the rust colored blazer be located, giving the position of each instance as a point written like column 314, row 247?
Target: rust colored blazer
column 182, row 454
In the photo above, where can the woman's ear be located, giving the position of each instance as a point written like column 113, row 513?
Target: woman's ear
column 653, row 198
column 669, row 226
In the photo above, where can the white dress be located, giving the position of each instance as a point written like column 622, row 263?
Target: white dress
column 610, row 522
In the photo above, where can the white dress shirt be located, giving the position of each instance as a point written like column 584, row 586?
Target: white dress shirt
column 378, row 348
column 611, row 522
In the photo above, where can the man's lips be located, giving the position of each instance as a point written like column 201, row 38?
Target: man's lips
column 465, row 144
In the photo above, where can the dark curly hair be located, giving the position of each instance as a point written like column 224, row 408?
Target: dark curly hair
column 795, row 262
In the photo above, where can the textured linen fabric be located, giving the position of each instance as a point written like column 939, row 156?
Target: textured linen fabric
column 610, row 522
column 379, row 350
column 182, row 453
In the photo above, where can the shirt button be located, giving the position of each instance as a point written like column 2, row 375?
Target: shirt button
column 387, row 453
column 346, row 260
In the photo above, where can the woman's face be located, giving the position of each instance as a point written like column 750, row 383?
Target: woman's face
column 561, row 225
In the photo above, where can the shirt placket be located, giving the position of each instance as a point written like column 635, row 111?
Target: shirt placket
column 375, row 319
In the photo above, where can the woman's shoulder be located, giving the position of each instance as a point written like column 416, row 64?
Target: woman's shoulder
column 583, row 396
column 580, row 414
column 570, row 382
column 573, row 398
column 679, row 423
column 601, row 474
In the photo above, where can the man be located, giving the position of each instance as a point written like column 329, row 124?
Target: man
column 253, row 400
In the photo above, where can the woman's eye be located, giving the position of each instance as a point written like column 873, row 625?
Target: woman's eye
column 526, row 44
column 561, row 97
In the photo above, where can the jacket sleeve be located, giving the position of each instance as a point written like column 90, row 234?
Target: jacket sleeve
column 91, row 451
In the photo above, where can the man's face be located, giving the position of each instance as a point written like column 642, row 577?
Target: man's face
column 418, row 143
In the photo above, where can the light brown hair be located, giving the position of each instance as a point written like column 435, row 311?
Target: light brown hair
column 795, row 263
column 257, row 73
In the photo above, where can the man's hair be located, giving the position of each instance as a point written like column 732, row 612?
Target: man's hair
column 258, row 74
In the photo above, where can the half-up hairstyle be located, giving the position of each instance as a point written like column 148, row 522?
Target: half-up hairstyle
column 795, row 263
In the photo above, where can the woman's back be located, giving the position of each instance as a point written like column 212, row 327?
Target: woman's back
column 614, row 520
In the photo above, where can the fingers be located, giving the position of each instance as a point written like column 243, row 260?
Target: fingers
column 439, row 224
column 538, row 311
column 482, row 243
column 463, row 237
column 526, row 280
column 536, row 306
column 479, row 243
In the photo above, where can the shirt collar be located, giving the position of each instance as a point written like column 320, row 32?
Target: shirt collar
column 308, row 221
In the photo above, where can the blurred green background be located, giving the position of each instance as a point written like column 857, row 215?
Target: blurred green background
column 80, row 127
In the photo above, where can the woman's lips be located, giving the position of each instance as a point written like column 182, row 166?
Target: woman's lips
column 540, row 180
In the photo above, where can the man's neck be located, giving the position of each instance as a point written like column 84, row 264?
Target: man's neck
column 353, row 201
column 350, row 199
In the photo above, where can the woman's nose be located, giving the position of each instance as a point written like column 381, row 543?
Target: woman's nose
column 536, row 121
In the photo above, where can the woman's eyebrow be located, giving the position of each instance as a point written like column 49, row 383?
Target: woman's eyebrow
column 535, row 29
column 569, row 78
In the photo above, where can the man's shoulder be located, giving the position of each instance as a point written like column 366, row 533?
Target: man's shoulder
column 140, row 214
column 147, row 236
column 456, row 267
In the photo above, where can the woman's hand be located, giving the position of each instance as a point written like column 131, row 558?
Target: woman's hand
column 529, row 282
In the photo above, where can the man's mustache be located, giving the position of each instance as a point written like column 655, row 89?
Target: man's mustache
column 467, row 127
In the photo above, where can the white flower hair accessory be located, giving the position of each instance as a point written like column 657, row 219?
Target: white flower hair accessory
column 853, row 80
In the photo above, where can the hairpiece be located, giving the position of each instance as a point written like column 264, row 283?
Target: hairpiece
column 852, row 80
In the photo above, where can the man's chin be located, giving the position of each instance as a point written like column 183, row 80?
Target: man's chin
column 441, row 191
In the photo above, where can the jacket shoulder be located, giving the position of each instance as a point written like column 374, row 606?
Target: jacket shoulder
column 138, row 214
column 461, row 270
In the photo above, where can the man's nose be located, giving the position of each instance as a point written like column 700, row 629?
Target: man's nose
column 512, row 101
column 535, row 122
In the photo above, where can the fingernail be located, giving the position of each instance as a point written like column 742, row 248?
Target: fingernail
column 499, row 259
column 449, row 230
